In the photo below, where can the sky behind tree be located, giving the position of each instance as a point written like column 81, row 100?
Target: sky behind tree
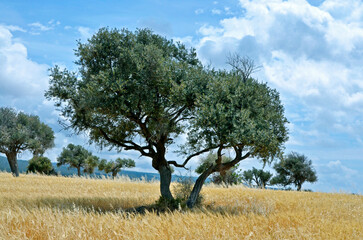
column 310, row 51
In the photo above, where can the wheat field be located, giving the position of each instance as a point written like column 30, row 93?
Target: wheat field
column 45, row 207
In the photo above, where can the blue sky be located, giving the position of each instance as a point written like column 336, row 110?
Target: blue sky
column 310, row 51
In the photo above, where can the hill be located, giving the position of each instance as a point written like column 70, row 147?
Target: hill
column 64, row 171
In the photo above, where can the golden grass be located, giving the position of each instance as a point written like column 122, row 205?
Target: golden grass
column 43, row 207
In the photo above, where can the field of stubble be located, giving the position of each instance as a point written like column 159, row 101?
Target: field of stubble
column 43, row 207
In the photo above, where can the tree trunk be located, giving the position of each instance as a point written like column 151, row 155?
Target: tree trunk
column 13, row 163
column 79, row 171
column 114, row 174
column 198, row 187
column 165, row 180
column 299, row 186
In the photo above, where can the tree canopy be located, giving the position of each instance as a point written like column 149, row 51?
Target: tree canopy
column 259, row 176
column 77, row 157
column 132, row 91
column 40, row 165
column 139, row 91
column 294, row 169
column 20, row 132
column 115, row 167
column 239, row 113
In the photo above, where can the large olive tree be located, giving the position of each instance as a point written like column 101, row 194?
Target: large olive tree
column 132, row 91
column 20, row 132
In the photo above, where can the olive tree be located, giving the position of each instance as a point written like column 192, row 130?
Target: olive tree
column 239, row 113
column 132, row 91
column 259, row 176
column 77, row 157
column 226, row 178
column 114, row 167
column 20, row 132
column 294, row 169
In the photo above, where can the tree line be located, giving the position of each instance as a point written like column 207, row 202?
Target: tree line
column 292, row 169
column 138, row 91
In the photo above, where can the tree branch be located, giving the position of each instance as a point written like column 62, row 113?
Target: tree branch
column 123, row 144
column 190, row 157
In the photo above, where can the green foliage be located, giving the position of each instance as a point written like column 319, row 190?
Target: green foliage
column 90, row 164
column 128, row 84
column 228, row 177
column 115, row 166
column 237, row 112
column 20, row 132
column 294, row 169
column 76, row 156
column 40, row 165
column 260, row 177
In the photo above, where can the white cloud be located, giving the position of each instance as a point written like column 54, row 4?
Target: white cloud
column 199, row 11
column 85, row 32
column 14, row 28
column 19, row 76
column 36, row 27
column 39, row 26
column 216, row 11
column 312, row 55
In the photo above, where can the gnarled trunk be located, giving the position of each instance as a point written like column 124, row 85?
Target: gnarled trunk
column 159, row 163
column 165, row 180
column 13, row 163
column 198, row 187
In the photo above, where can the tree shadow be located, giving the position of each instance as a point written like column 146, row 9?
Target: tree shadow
column 104, row 205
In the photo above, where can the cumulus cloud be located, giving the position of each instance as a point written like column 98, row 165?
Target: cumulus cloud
column 19, row 76
column 312, row 55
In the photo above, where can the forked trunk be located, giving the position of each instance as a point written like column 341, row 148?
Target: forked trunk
column 165, row 180
column 13, row 163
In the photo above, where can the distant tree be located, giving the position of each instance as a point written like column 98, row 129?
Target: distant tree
column 260, row 177
column 294, row 169
column 228, row 177
column 114, row 167
column 90, row 164
column 20, row 132
column 40, row 165
column 76, row 157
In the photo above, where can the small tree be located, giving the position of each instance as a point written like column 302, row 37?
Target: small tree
column 114, row 167
column 76, row 157
column 90, row 164
column 40, row 165
column 228, row 177
column 294, row 169
column 260, row 177
column 20, row 132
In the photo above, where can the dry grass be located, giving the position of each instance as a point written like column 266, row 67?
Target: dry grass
column 42, row 207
